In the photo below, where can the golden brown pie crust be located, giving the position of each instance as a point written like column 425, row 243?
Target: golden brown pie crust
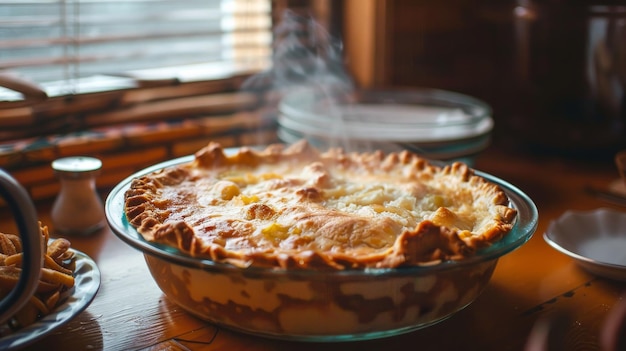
column 297, row 207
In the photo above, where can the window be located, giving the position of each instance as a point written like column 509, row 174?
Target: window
column 76, row 46
column 134, row 82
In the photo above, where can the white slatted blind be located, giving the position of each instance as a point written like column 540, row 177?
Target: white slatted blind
column 58, row 43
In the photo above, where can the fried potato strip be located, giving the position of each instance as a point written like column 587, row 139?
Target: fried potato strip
column 56, row 280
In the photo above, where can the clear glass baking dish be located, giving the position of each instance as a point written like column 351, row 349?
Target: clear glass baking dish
column 314, row 305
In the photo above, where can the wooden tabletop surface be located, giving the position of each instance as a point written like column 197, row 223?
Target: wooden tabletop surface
column 533, row 284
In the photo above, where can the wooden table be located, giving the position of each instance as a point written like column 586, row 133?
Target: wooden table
column 530, row 284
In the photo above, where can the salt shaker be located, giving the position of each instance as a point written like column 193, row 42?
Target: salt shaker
column 78, row 209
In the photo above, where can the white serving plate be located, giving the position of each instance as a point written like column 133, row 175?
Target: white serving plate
column 420, row 115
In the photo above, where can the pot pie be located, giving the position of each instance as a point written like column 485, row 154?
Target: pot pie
column 297, row 207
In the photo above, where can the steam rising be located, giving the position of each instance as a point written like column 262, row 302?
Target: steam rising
column 318, row 100
column 304, row 55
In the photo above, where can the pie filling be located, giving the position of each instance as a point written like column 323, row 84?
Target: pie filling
column 296, row 207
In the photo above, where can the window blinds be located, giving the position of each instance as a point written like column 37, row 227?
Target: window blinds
column 61, row 44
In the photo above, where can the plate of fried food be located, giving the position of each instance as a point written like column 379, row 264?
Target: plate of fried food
column 69, row 282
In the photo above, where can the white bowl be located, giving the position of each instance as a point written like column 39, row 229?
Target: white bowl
column 595, row 239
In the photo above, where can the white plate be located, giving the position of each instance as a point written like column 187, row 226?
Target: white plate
column 386, row 130
column 419, row 115
column 87, row 283
column 596, row 239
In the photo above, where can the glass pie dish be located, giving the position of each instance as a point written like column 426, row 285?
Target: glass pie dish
column 320, row 305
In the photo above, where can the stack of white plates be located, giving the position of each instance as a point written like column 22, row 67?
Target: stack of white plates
column 437, row 124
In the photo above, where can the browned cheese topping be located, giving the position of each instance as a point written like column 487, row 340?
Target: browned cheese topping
column 296, row 207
